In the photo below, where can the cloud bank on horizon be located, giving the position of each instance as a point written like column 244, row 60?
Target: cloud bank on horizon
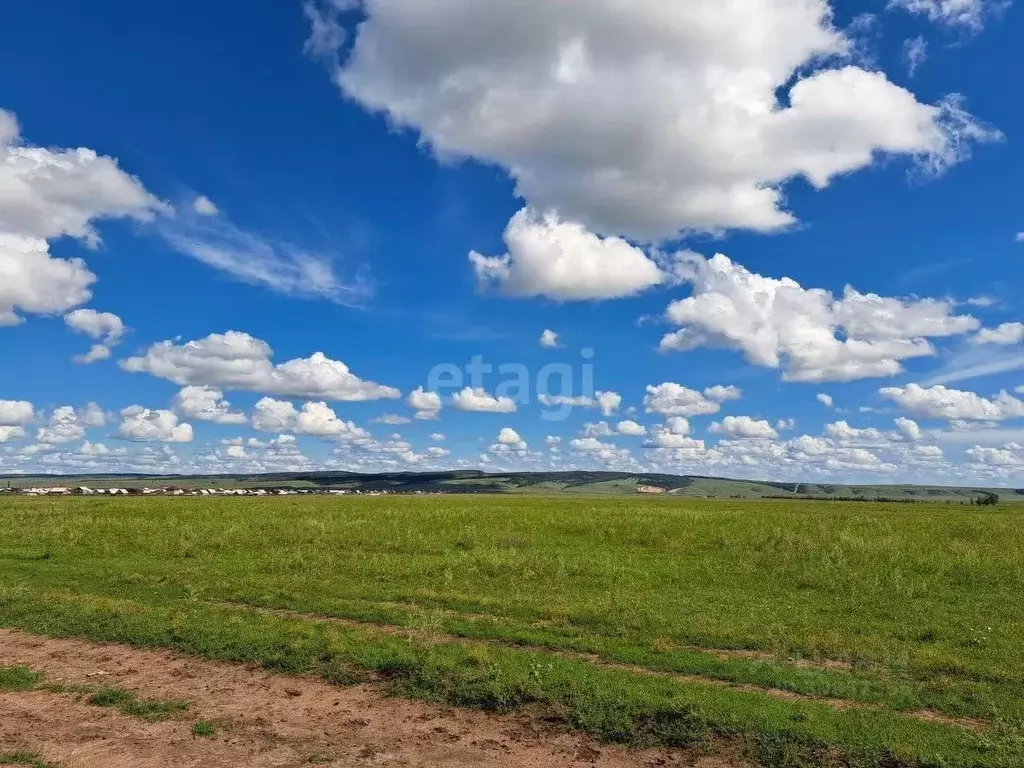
column 753, row 239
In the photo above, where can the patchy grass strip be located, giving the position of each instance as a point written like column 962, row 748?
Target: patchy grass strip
column 597, row 660
column 22, row 757
column 19, row 679
column 612, row 704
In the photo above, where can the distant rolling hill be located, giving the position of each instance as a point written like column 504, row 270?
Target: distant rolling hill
column 474, row 481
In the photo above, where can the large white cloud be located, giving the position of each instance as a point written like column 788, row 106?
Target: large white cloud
column 145, row 425
column 50, row 193
column 939, row 402
column 206, row 404
column 563, row 261
column 811, row 334
column 642, row 118
column 46, row 193
column 236, row 360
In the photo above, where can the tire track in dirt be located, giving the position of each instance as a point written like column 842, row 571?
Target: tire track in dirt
column 274, row 721
column 930, row 715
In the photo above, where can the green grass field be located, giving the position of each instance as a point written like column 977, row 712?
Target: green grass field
column 806, row 633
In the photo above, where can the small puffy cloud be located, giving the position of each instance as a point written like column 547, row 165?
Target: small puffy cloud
column 236, row 360
column 16, row 413
column 101, row 326
column 721, row 394
column 671, row 399
column 677, row 425
column 92, row 416
column 915, row 53
column 605, row 452
column 206, row 404
column 145, row 425
column 549, row 339
column 608, row 402
column 511, row 438
column 1011, row 455
column 1019, row 237
column 939, row 402
column 1007, row 333
column 808, row 333
column 630, row 427
column 600, row 429
column 96, row 353
column 314, row 419
column 565, row 262
column 426, row 404
column 744, row 427
column 480, row 401
column 785, row 424
column 437, row 437
column 844, row 433
column 908, row 428
column 319, row 420
column 825, row 400
column 965, row 14
column 391, row 419
column 204, row 206
column 236, row 451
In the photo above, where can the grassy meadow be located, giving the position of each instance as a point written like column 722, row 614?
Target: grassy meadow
column 804, row 633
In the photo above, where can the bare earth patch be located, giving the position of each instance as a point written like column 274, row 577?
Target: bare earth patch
column 269, row 720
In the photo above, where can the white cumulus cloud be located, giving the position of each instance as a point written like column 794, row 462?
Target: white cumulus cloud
column 809, row 333
column 145, row 425
column 480, row 401
column 671, row 399
column 564, row 261
column 643, row 118
column 206, row 404
column 744, row 427
column 426, row 404
column 236, row 360
column 939, row 402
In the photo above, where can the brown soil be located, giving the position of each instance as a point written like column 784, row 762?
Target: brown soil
column 270, row 720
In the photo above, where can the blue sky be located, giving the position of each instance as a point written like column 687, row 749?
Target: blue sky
column 774, row 239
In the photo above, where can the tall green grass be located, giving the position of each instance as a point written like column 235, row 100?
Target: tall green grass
column 922, row 603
